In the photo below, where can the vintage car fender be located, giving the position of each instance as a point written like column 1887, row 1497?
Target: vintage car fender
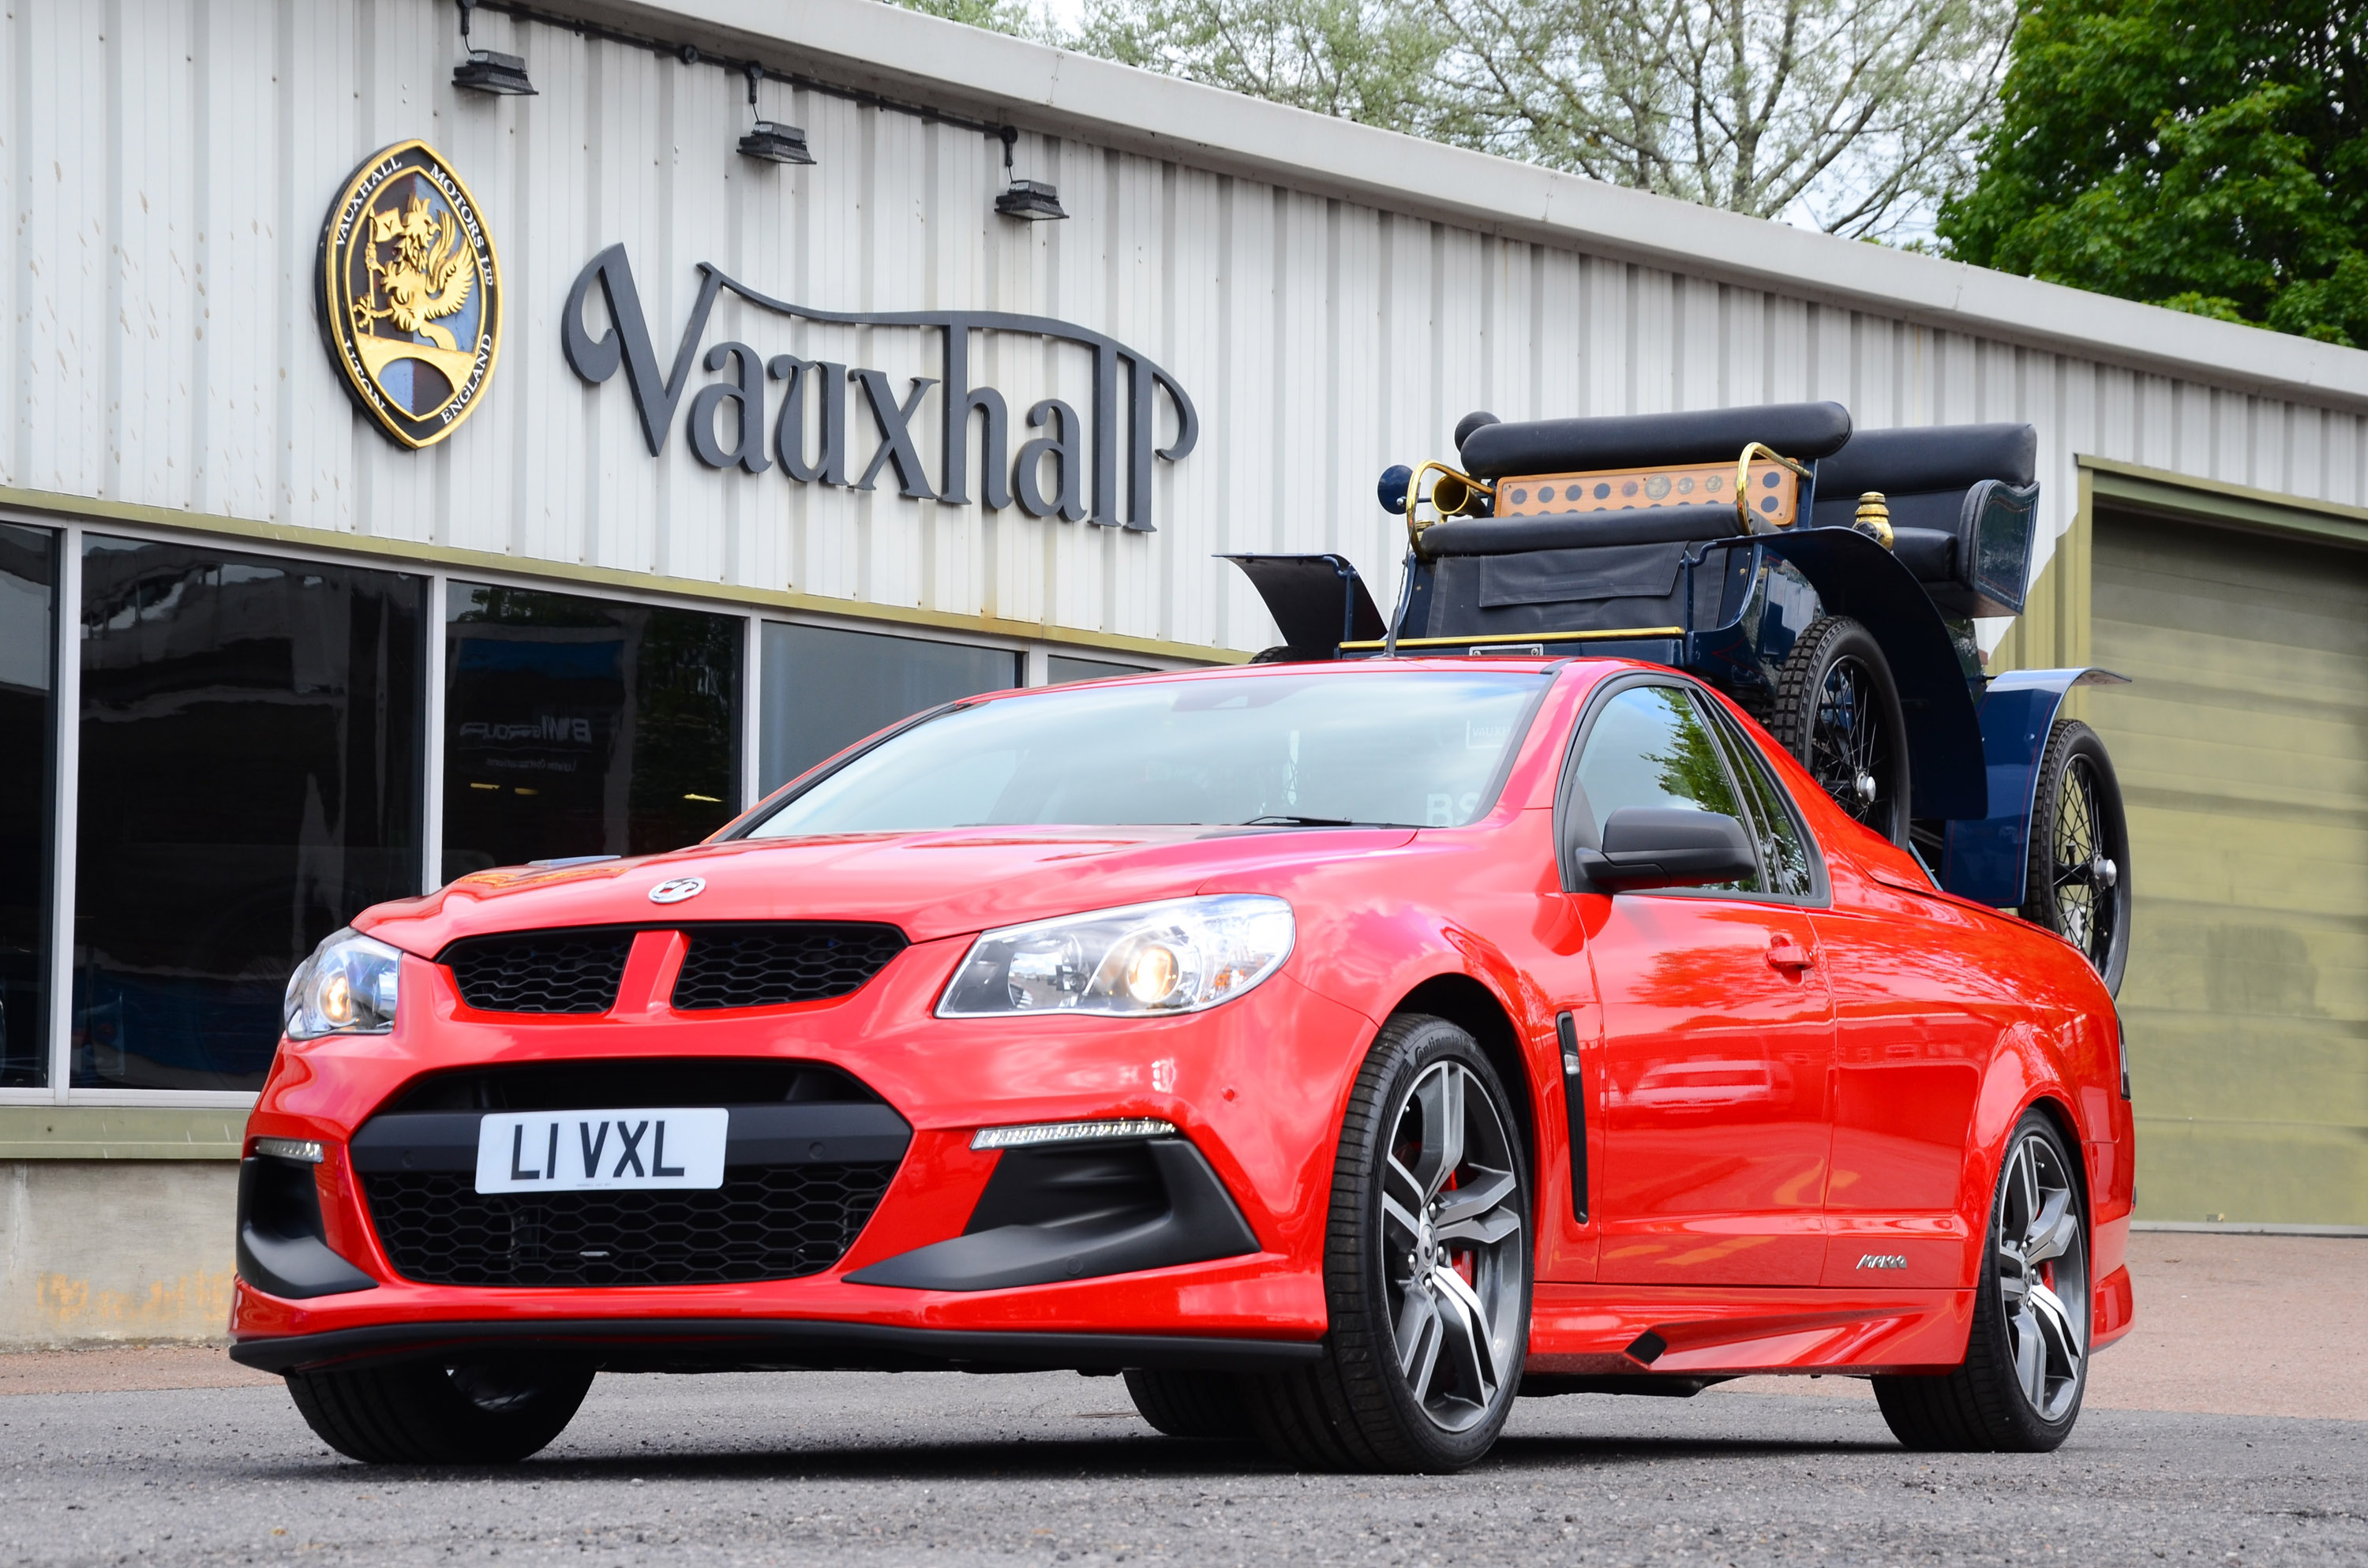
column 1857, row 577
column 1989, row 857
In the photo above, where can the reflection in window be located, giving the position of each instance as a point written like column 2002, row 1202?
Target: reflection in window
column 249, row 781
column 583, row 726
column 1060, row 669
column 1783, row 845
column 1649, row 748
column 826, row 689
column 27, row 719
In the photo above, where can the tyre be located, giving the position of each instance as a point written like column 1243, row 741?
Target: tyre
column 429, row 1413
column 2027, row 1358
column 1426, row 1269
column 1837, row 710
column 1202, row 1406
column 2078, row 883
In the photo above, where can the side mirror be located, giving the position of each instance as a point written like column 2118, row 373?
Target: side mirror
column 1658, row 846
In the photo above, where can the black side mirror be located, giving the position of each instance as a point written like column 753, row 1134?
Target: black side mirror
column 1660, row 847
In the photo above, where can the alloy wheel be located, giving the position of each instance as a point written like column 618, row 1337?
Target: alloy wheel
column 1453, row 1238
column 2043, row 1276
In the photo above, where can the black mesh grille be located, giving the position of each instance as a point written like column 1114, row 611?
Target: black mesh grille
column 540, row 971
column 766, row 966
column 764, row 1222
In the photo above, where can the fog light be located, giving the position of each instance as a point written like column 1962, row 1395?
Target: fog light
column 308, row 1150
column 1037, row 1134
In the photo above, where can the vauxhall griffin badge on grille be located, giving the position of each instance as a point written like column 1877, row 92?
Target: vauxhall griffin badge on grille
column 410, row 293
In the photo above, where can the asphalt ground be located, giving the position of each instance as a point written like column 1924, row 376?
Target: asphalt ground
column 174, row 1455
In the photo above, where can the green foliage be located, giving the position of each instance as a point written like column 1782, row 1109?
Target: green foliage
column 2203, row 155
column 995, row 15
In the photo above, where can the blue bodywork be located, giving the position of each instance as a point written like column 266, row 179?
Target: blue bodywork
column 1988, row 858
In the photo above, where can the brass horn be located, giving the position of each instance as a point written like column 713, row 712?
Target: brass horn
column 1453, row 495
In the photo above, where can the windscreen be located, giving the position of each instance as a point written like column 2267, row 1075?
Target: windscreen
column 1417, row 748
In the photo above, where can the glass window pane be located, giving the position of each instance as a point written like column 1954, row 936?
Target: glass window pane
column 29, row 638
column 1061, row 669
column 1422, row 748
column 249, row 780
column 826, row 689
column 583, row 726
column 1783, row 843
column 1650, row 749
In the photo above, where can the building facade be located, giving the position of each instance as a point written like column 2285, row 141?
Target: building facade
column 405, row 478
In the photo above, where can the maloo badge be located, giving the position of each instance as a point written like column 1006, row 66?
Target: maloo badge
column 677, row 889
column 1882, row 1260
column 410, row 293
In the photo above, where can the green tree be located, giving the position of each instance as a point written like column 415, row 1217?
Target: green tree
column 2203, row 155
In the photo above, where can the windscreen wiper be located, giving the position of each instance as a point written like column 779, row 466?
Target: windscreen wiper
column 1298, row 821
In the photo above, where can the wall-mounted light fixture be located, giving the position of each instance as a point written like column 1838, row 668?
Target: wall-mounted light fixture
column 487, row 70
column 770, row 139
column 1035, row 201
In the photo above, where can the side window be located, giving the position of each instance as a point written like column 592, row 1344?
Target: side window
column 1650, row 747
column 1785, row 854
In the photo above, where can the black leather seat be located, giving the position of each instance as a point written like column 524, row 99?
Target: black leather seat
column 1492, row 449
column 1962, row 500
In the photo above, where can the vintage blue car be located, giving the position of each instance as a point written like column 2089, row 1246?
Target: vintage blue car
column 1826, row 579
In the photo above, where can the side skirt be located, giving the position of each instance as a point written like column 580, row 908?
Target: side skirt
column 1599, row 1331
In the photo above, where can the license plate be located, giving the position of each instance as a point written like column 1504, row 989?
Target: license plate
column 588, row 1150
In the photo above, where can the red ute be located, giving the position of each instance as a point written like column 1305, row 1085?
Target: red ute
column 1337, row 1051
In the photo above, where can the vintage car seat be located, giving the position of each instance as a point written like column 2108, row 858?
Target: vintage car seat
column 1959, row 499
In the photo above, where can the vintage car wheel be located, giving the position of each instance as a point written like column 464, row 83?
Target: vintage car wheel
column 1202, row 1406
column 423, row 1412
column 2027, row 1359
column 2079, row 872
column 1427, row 1268
column 1836, row 709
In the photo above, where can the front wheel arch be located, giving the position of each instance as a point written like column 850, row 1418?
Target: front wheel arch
column 1472, row 1007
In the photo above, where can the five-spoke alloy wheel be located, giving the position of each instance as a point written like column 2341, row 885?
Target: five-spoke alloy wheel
column 2027, row 1357
column 1427, row 1268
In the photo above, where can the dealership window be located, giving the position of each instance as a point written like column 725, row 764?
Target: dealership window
column 1061, row 668
column 249, row 778
column 826, row 688
column 29, row 638
column 583, row 726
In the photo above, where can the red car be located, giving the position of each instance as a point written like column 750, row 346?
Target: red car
column 1336, row 1050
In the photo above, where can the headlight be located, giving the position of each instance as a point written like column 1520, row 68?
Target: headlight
column 345, row 987
column 1148, row 959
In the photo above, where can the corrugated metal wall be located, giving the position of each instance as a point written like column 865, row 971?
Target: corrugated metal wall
column 169, row 165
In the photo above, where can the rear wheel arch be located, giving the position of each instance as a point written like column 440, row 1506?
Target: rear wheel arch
column 1471, row 1006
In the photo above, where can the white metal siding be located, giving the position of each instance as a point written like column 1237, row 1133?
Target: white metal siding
column 168, row 176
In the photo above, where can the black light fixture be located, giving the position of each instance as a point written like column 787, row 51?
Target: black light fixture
column 770, row 139
column 488, row 70
column 1034, row 201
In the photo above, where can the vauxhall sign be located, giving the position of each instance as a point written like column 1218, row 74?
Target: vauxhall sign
column 411, row 305
column 814, row 417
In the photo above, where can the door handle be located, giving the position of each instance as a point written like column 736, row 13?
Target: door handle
column 1785, row 954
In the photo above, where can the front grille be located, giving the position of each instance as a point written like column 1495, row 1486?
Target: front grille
column 784, row 961
column 540, row 971
column 764, row 1222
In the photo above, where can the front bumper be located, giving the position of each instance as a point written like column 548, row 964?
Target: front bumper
column 1255, row 1088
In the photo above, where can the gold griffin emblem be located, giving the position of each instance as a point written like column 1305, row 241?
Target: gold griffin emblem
column 411, row 293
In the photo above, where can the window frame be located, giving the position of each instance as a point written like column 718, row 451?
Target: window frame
column 1574, row 818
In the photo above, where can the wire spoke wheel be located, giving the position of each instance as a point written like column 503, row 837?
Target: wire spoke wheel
column 1835, row 707
column 2076, row 878
column 2043, row 1276
column 1451, row 1235
column 1849, row 747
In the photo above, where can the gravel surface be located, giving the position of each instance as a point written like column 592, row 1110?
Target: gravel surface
column 948, row 1468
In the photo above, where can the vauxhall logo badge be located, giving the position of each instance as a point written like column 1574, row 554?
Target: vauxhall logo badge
column 808, row 416
column 410, row 294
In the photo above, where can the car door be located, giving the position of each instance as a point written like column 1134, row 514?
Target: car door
column 1716, row 1031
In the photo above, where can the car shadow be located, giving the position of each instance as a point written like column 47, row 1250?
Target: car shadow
column 1081, row 1458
